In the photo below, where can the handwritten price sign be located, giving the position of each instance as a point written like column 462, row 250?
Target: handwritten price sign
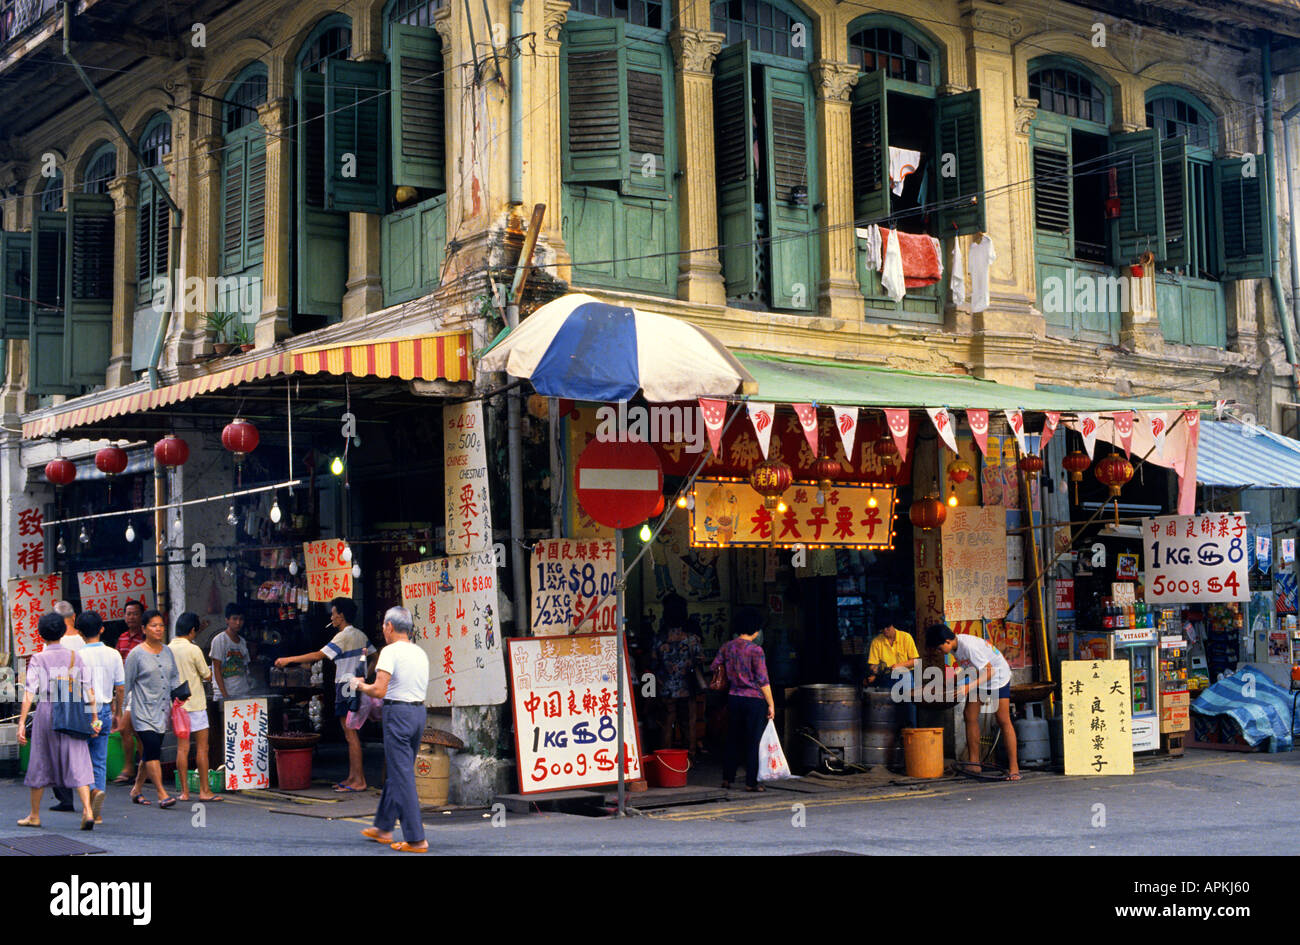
column 328, row 574
column 30, row 598
column 573, row 586
column 1198, row 558
column 468, row 511
column 974, row 563
column 248, row 755
column 106, row 592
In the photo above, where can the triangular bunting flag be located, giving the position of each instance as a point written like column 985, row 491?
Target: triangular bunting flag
column 1049, row 427
column 979, row 428
column 1159, row 426
column 942, row 420
column 714, row 413
column 846, row 421
column 899, row 421
column 1219, row 407
column 1124, row 430
column 807, row 414
column 1016, row 419
column 763, row 417
column 1088, row 427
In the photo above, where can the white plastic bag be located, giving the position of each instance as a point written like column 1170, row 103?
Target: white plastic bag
column 771, row 759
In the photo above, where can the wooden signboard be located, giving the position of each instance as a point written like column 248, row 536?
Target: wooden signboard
column 1095, row 700
column 974, row 564
column 573, row 586
column 30, row 598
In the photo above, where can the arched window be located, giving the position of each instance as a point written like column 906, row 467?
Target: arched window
column 334, row 42
column 1069, row 93
column 1180, row 116
column 100, row 169
column 52, row 194
column 895, row 53
column 156, row 142
column 153, row 215
column 243, row 175
column 648, row 13
column 240, row 107
column 769, row 28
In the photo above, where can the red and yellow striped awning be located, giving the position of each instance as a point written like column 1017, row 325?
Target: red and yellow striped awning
column 444, row 356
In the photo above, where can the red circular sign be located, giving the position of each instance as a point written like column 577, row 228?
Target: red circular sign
column 619, row 484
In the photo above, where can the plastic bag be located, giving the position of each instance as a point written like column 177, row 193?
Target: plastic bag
column 371, row 708
column 180, row 719
column 772, row 765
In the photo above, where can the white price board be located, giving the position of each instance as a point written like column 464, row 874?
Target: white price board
column 468, row 512
column 1195, row 558
column 248, row 749
column 564, row 697
column 573, row 586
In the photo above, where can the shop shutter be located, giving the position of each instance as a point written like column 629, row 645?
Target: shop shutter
column 311, row 139
column 649, row 91
column 1244, row 244
column 162, row 231
column 144, row 240
column 418, row 120
column 788, row 98
column 1179, row 232
column 957, row 133
column 734, row 129
column 1053, row 192
column 255, row 199
column 16, row 287
column 1137, row 158
column 594, row 91
column 869, row 121
column 233, row 204
column 88, row 320
column 49, row 280
column 356, row 136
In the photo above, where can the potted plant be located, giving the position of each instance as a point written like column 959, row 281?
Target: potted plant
column 244, row 337
column 219, row 324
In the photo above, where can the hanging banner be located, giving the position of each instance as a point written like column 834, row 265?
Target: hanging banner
column 807, row 416
column 106, row 592
column 1287, row 547
column 763, row 417
column 329, row 570
column 1196, row 558
column 942, row 421
column 27, row 542
column 1264, row 550
column 899, row 421
column 248, row 749
column 1158, row 425
column 1187, row 478
column 974, row 543
column 31, row 598
column 465, row 476
column 848, row 519
column 1016, row 420
column 1123, row 420
column 573, row 587
column 979, row 428
column 714, row 413
column 1049, row 426
column 1088, row 428
column 565, row 705
column 454, row 603
column 1098, row 726
column 846, row 423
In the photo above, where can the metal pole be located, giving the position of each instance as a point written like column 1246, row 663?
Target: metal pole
column 515, row 463
column 618, row 670
column 160, row 532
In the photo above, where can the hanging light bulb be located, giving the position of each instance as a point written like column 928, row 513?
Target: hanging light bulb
column 83, row 537
column 952, row 500
column 347, row 554
column 61, row 548
column 178, row 528
column 820, row 498
column 356, row 570
column 645, row 532
column 130, row 532
column 293, row 567
column 228, row 569
column 336, row 466
column 423, row 550
column 781, row 506
column 232, row 517
column 276, row 514
column 871, row 502
column 681, row 501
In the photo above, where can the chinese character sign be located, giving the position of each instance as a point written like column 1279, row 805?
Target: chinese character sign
column 974, row 542
column 454, row 606
column 106, row 592
column 30, row 598
column 565, row 702
column 732, row 513
column 1196, row 558
column 573, row 587
column 329, row 573
column 28, row 537
column 248, row 749
column 465, row 475
column 1095, row 703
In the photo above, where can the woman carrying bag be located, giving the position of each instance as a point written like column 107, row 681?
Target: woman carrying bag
column 749, row 698
column 59, row 682
column 154, row 682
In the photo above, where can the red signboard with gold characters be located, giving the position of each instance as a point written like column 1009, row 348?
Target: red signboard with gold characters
column 730, row 512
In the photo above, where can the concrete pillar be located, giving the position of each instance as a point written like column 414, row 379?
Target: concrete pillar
column 204, row 258
column 277, row 249
column 544, row 160
column 838, row 293
column 124, row 190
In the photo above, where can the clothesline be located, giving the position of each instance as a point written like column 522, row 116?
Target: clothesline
column 915, row 260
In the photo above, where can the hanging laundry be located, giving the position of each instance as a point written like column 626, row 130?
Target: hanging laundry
column 982, row 255
column 871, row 235
column 920, row 257
column 958, row 279
column 891, row 269
column 901, row 163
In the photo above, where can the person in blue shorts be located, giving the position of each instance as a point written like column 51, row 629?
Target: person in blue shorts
column 992, row 683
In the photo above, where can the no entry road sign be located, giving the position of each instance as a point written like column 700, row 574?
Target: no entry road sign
column 619, row 484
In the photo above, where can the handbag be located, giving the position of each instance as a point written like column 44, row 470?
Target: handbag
column 719, row 681
column 180, row 719
column 182, row 692
column 68, row 715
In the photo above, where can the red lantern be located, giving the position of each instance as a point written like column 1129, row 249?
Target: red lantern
column 171, row 450
column 1114, row 472
column 1075, row 463
column 826, row 471
column 886, row 448
column 959, row 471
column 111, row 461
column 1031, row 466
column 928, row 513
column 240, row 437
column 770, row 479
column 60, row 471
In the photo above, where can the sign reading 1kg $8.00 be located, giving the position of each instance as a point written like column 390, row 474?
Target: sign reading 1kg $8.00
column 1196, row 558
column 573, row 587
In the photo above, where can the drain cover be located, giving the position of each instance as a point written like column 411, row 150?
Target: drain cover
column 50, row 844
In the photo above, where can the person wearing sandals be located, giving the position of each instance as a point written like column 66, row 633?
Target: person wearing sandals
column 749, row 698
column 151, row 676
column 108, row 675
column 992, row 684
column 56, row 758
column 194, row 670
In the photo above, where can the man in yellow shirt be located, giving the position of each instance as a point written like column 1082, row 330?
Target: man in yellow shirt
column 889, row 663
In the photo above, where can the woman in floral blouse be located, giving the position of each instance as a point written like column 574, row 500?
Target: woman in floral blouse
column 749, row 698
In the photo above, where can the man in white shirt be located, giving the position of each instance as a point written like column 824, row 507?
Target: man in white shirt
column 992, row 683
column 347, row 649
column 71, row 638
column 401, row 680
column 108, row 682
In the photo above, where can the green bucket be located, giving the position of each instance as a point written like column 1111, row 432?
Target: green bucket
column 24, row 752
column 113, row 766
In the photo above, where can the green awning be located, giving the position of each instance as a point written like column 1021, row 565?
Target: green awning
column 794, row 380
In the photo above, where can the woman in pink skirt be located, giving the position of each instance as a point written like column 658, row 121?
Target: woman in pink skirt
column 56, row 759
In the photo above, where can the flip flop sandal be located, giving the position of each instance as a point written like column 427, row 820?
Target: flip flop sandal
column 97, row 804
column 212, row 800
column 170, row 802
column 141, row 799
column 28, row 822
column 88, row 824
column 123, row 778
column 404, row 847
column 1012, row 777
column 372, row 833
column 342, row 788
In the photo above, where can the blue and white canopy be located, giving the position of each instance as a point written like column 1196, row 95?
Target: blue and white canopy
column 584, row 349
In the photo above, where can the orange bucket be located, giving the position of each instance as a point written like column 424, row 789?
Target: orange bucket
column 668, row 767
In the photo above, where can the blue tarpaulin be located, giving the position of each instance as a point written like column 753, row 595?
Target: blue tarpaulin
column 1263, row 714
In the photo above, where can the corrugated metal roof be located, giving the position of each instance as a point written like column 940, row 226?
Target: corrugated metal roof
column 1238, row 454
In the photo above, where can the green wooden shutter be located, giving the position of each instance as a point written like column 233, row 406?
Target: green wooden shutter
column 49, row 281
column 162, row 232
column 1244, row 244
column 1142, row 215
column 311, row 139
column 733, row 129
column 144, row 241
column 418, row 131
column 1179, row 233
column 649, row 103
column 15, row 284
column 1053, row 192
column 322, row 237
column 355, row 125
column 957, row 133
column 233, row 203
column 255, row 198
column 594, row 96
column 788, row 98
column 869, row 121
column 88, row 320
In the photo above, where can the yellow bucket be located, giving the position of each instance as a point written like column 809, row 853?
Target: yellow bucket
column 923, row 752
column 432, row 775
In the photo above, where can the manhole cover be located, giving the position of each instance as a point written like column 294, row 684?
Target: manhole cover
column 50, row 844
column 7, row 851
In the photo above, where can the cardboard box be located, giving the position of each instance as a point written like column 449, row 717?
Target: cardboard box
column 1170, row 700
column 1177, row 719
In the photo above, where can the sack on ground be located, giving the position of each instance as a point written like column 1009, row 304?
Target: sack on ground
column 772, row 765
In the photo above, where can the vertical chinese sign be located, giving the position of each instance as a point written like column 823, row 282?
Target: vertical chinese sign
column 29, row 599
column 565, row 712
column 28, row 543
column 453, row 603
column 465, row 475
column 1098, row 727
column 573, row 587
column 248, row 749
column 329, row 573
column 974, row 544
column 106, row 592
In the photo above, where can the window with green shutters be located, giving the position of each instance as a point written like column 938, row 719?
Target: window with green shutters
column 618, row 152
column 100, row 169
column 243, row 177
column 15, row 284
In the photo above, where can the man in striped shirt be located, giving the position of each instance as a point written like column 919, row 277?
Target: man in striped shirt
column 346, row 649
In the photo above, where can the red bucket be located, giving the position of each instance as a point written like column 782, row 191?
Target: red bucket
column 293, row 768
column 668, row 767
